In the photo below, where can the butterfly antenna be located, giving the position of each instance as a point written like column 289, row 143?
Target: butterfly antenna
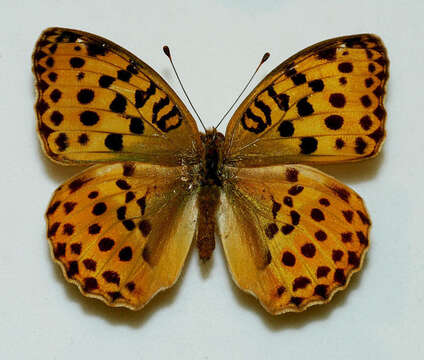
column 264, row 58
column 168, row 53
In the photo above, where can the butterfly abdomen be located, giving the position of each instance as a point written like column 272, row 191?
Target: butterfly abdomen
column 207, row 202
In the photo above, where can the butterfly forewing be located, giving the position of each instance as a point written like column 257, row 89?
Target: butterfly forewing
column 98, row 102
column 323, row 105
column 292, row 235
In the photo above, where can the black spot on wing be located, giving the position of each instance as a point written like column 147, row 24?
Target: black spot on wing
column 158, row 106
column 162, row 122
column 298, row 79
column 266, row 110
column 304, row 108
column 105, row 81
column 260, row 125
column 308, row 145
column 83, row 139
column 76, row 62
column 128, row 169
column 62, row 142
column 42, row 85
column 56, row 117
column 44, row 130
column 136, row 125
column 345, row 67
column 286, row 128
column 114, row 142
column 53, row 48
column 337, row 100
column 42, row 107
column 55, row 95
column 132, row 69
column 334, row 122
column 85, row 96
column 316, row 85
column 94, row 49
column 89, row 118
column 52, row 76
column 142, row 96
column 360, row 145
column 40, row 69
column 282, row 100
column 327, row 54
column 118, row 104
column 124, row 75
column 67, row 36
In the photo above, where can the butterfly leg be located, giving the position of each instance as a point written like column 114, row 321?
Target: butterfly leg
column 208, row 201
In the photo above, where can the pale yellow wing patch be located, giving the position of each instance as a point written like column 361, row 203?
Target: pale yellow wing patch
column 292, row 235
column 98, row 102
column 121, row 232
column 323, row 105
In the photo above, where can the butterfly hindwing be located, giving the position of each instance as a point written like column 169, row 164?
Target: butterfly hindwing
column 323, row 105
column 98, row 102
column 292, row 235
column 121, row 232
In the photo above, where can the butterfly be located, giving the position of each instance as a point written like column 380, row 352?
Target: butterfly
column 121, row 230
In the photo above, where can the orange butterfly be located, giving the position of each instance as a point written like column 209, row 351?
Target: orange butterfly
column 121, row 230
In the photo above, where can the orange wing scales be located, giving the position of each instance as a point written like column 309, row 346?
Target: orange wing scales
column 122, row 232
column 323, row 105
column 292, row 235
column 96, row 100
column 315, row 229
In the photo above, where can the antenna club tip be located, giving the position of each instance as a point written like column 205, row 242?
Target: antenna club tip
column 265, row 57
column 167, row 51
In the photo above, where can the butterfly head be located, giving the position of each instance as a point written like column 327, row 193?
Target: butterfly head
column 212, row 136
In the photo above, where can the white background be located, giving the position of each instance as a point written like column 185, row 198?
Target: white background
column 216, row 44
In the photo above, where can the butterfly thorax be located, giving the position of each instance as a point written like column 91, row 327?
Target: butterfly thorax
column 211, row 166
